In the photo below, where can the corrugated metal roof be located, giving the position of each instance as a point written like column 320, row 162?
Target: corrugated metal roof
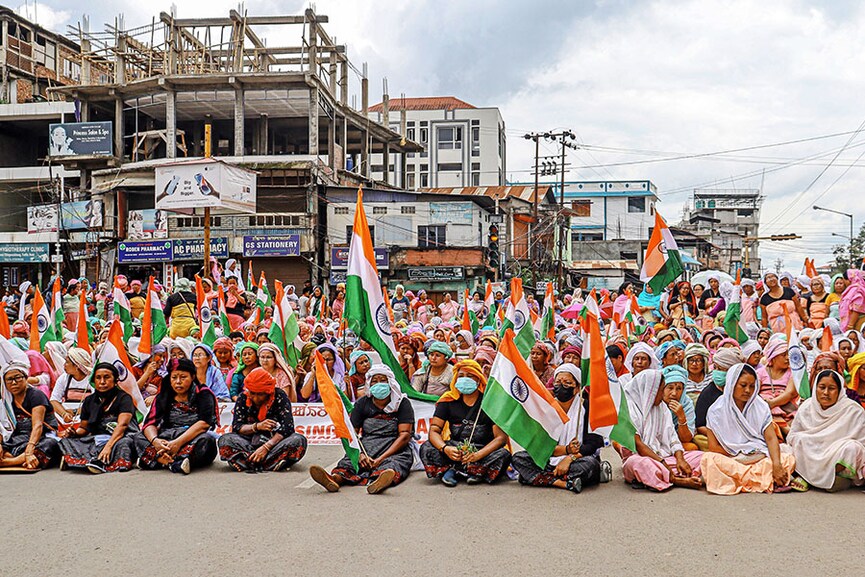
column 424, row 103
column 525, row 193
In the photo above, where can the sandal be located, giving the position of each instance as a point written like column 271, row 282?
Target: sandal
column 783, row 489
column 799, row 484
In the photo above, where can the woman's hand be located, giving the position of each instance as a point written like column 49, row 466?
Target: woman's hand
column 679, row 411
column 161, row 445
column 259, row 454
column 30, row 460
column 105, row 454
column 471, row 458
column 573, row 447
column 172, row 448
column 267, row 425
column 563, row 467
column 33, row 380
column 453, row 453
column 779, row 475
column 683, row 467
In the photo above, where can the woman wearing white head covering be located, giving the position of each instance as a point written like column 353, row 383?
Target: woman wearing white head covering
column 73, row 384
column 828, row 436
column 233, row 270
column 744, row 452
column 466, row 347
column 575, row 463
column 27, row 422
column 384, row 420
column 660, row 461
column 635, row 364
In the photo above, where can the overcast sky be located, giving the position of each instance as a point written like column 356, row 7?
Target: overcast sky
column 652, row 80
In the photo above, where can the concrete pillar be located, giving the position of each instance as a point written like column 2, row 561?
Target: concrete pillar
column 119, row 127
column 85, row 62
column 313, row 120
column 343, row 81
column 238, row 122
column 171, row 123
column 332, row 74
column 264, row 134
column 364, row 153
column 313, row 42
column 386, row 162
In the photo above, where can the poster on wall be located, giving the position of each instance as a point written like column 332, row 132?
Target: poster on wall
column 186, row 185
column 146, row 224
column 42, row 218
column 81, row 215
column 80, row 139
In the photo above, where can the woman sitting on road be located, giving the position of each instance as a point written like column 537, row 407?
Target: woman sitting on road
column 744, row 453
column 175, row 435
column 828, row 436
column 697, row 365
column 149, row 372
column 639, row 358
column 475, row 448
column 335, row 368
column 680, row 405
column 28, row 430
column 575, row 463
column 660, row 462
column 541, row 360
column 102, row 441
column 248, row 352
column 776, row 384
column 384, row 420
column 359, row 364
column 73, row 384
column 271, row 360
column 206, row 372
column 434, row 379
column 262, row 436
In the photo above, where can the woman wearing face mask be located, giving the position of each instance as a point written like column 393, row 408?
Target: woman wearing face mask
column 384, row 420
column 475, row 450
column 575, row 463
column 828, row 436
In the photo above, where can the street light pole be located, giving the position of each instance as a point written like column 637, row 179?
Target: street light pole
column 848, row 215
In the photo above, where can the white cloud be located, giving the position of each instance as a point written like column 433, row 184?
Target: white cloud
column 43, row 15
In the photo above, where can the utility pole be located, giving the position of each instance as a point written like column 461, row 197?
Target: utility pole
column 208, row 149
column 563, row 228
column 531, row 244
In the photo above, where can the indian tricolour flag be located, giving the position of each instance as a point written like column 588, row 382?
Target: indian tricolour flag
column 205, row 314
column 153, row 327
column 608, row 409
column 57, row 307
column 517, row 317
column 114, row 352
column 517, row 401
column 276, row 333
column 799, row 366
column 365, row 310
column 262, row 297
column 223, row 313
column 122, row 310
column 291, row 330
column 733, row 323
column 548, row 320
column 83, row 332
column 490, row 304
column 41, row 328
column 338, row 408
column 662, row 264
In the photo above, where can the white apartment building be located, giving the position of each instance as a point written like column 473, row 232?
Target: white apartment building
column 465, row 145
column 611, row 210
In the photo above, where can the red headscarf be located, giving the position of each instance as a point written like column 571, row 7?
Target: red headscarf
column 260, row 381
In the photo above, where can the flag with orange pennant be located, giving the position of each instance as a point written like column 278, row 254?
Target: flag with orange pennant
column 548, row 320
column 608, row 407
column 223, row 312
column 83, row 332
column 153, row 326
column 250, row 278
column 338, row 408
column 41, row 328
column 114, row 352
column 788, row 325
column 57, row 308
column 276, row 333
column 810, row 269
column 662, row 264
column 387, row 304
column 5, row 329
column 467, row 319
column 205, row 314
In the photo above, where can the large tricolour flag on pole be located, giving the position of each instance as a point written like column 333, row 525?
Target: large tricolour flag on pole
column 153, row 327
column 122, row 310
column 799, row 366
column 517, row 317
column 41, row 328
column 291, row 330
column 548, row 320
column 365, row 310
column 276, row 333
column 662, row 264
column 114, row 352
column 733, row 324
column 84, row 335
column 205, row 314
column 608, row 409
column 338, row 408
column 517, row 401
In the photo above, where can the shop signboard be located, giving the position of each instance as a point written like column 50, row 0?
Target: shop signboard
column 13, row 252
column 436, row 273
column 193, row 248
column 80, row 139
column 339, row 257
column 271, row 246
column 145, row 251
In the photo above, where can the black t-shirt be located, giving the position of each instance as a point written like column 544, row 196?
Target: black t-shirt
column 35, row 398
column 461, row 419
column 768, row 299
column 707, row 294
column 365, row 409
column 96, row 410
column 812, row 300
column 706, row 399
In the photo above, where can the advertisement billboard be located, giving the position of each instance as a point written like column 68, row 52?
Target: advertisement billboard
column 147, row 223
column 339, row 257
column 81, row 139
column 79, row 215
column 205, row 183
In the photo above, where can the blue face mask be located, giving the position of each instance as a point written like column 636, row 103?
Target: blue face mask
column 380, row 391
column 719, row 378
column 466, row 385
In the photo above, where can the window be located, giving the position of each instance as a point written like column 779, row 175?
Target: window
column 476, row 179
column 379, row 210
column 409, row 184
column 476, row 135
column 431, row 236
column 410, row 133
column 424, row 135
column 476, row 166
column 745, row 212
column 450, row 167
column 449, row 137
column 476, row 122
column 424, row 180
column 340, row 210
column 407, row 209
column 348, row 231
column 637, row 204
column 424, row 167
column 410, row 123
column 582, row 207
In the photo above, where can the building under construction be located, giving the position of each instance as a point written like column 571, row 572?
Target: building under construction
column 295, row 113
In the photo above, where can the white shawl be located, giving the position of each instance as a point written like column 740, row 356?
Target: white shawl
column 822, row 438
column 653, row 422
column 739, row 432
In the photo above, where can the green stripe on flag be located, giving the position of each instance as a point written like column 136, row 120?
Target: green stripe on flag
column 670, row 271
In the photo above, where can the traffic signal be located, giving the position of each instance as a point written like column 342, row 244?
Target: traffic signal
column 493, row 247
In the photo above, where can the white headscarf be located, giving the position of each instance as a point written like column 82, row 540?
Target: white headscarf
column 749, row 348
column 396, row 394
column 861, row 348
column 23, row 287
column 640, row 348
column 7, row 411
column 654, row 422
column 740, row 432
column 467, row 335
column 573, row 429
column 822, row 438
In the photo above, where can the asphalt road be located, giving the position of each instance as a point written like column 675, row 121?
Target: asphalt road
column 217, row 522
